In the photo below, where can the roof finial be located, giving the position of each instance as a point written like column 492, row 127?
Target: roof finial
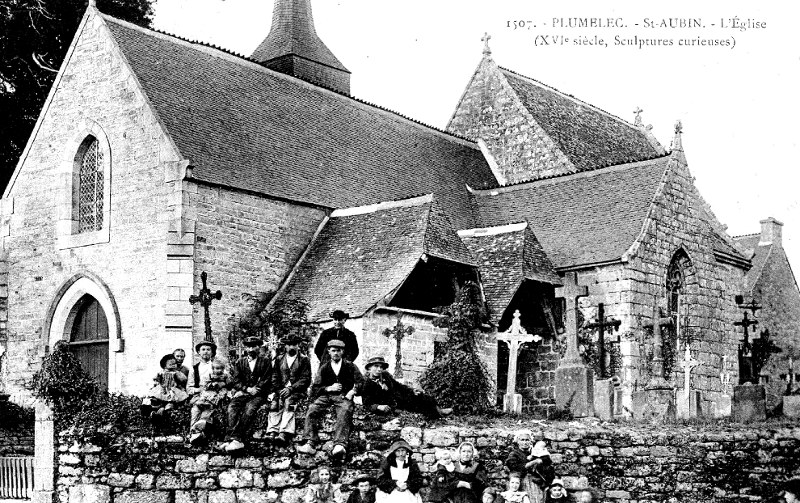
column 92, row 4
column 677, row 144
column 637, row 119
column 485, row 39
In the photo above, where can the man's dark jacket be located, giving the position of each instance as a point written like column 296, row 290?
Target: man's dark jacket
column 344, row 335
column 349, row 377
column 299, row 374
column 395, row 394
column 261, row 376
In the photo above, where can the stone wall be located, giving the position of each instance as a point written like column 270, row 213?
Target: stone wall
column 16, row 443
column 247, row 244
column 536, row 366
column 98, row 95
column 619, row 463
column 490, row 111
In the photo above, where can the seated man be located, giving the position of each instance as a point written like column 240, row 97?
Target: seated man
column 290, row 381
column 251, row 384
column 334, row 385
column 382, row 394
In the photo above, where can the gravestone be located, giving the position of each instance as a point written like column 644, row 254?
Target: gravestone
column 749, row 403
column 689, row 400
column 791, row 405
column 656, row 402
column 574, row 380
column 514, row 337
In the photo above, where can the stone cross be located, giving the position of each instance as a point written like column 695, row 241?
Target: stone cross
column 657, row 378
column 601, row 324
column 745, row 350
column 637, row 120
column 205, row 298
column 399, row 332
column 514, row 337
column 485, row 39
column 572, row 291
column 688, row 363
column 725, row 376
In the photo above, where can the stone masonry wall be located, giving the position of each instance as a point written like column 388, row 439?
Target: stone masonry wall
column 777, row 292
column 247, row 244
column 16, row 443
column 492, row 112
column 618, row 463
column 96, row 89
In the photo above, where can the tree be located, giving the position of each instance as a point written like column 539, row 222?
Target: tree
column 460, row 378
column 34, row 38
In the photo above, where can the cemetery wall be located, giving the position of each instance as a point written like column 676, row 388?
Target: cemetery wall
column 618, row 462
column 97, row 95
column 247, row 244
column 490, row 111
column 16, row 443
column 536, row 372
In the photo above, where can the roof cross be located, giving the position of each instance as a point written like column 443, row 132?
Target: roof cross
column 637, row 119
column 485, row 39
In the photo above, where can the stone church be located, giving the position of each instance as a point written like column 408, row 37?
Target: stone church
column 156, row 158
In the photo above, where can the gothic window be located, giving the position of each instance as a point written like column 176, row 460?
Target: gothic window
column 90, row 187
column 675, row 284
column 677, row 308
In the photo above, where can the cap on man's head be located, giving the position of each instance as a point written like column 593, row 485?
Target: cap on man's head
column 376, row 360
column 339, row 315
column 336, row 343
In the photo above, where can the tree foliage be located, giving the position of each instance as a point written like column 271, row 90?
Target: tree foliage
column 460, row 379
column 287, row 316
column 34, row 38
column 62, row 382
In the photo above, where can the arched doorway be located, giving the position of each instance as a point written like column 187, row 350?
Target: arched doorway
column 88, row 338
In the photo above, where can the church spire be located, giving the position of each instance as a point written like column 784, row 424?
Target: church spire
column 293, row 47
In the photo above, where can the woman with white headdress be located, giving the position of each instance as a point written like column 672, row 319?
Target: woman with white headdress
column 470, row 475
column 534, row 464
column 400, row 478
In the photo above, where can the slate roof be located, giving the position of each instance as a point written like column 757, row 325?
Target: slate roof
column 363, row 254
column 292, row 32
column 758, row 255
column 244, row 126
column 507, row 256
column 588, row 136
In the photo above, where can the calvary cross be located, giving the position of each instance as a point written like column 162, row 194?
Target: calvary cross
column 571, row 291
column 204, row 299
column 746, row 350
column 399, row 332
column 657, row 380
column 601, row 324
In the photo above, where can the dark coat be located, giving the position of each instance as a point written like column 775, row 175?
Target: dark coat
column 442, row 484
column 473, row 473
column 387, row 484
column 299, row 375
column 260, row 377
column 541, row 475
column 355, row 497
column 344, row 335
column 373, row 394
column 349, row 377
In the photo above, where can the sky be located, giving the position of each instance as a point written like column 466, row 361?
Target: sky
column 734, row 88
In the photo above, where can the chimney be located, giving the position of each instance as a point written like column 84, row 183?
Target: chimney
column 293, row 47
column 770, row 232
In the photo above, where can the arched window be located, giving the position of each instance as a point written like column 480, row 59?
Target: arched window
column 90, row 187
column 678, row 271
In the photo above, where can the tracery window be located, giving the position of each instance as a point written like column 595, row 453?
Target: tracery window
column 90, row 187
column 677, row 273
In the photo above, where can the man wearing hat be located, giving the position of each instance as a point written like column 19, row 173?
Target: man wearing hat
column 337, row 331
column 252, row 383
column 291, row 378
column 382, row 394
column 335, row 385
column 198, row 377
column 365, row 492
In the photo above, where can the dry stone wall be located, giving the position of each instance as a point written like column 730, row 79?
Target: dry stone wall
column 16, row 443
column 618, row 463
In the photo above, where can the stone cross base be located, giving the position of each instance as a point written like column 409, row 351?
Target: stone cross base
column 791, row 406
column 604, row 399
column 692, row 408
column 654, row 405
column 575, row 390
column 512, row 403
column 749, row 403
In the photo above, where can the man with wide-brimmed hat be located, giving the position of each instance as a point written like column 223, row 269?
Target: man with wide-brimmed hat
column 252, row 383
column 291, row 378
column 206, row 351
column 339, row 332
column 335, row 385
column 382, row 394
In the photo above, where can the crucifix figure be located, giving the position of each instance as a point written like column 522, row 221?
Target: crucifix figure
column 514, row 337
column 688, row 363
column 571, row 292
column 399, row 332
column 600, row 324
column 657, row 380
column 746, row 351
column 204, row 299
column 485, row 39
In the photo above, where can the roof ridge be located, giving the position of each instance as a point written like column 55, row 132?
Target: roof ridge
column 468, row 142
column 538, row 82
column 746, row 235
column 479, row 232
column 563, row 176
column 383, row 205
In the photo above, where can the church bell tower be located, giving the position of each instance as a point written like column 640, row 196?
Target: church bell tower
column 293, row 47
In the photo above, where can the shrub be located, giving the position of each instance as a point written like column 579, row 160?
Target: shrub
column 62, row 382
column 14, row 417
column 460, row 378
